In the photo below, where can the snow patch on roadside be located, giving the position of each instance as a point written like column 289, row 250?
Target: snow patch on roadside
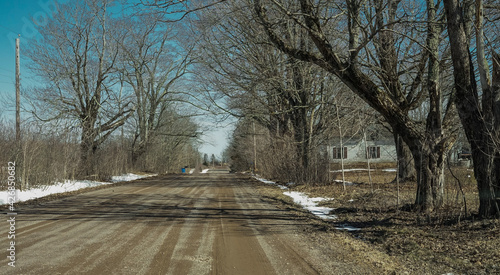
column 351, row 170
column 269, row 182
column 129, row 177
column 346, row 182
column 311, row 204
column 364, row 170
column 62, row 187
column 347, row 227
column 204, row 171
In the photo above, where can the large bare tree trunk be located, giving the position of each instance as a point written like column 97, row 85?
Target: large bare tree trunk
column 298, row 101
column 406, row 169
column 429, row 164
column 479, row 117
column 78, row 69
column 88, row 149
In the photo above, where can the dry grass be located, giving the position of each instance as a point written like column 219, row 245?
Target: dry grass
column 447, row 240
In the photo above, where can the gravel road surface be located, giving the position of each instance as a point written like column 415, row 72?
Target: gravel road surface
column 211, row 223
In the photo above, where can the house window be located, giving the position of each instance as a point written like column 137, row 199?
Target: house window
column 373, row 152
column 338, row 154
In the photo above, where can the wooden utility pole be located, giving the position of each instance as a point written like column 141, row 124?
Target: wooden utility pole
column 18, row 95
column 254, row 149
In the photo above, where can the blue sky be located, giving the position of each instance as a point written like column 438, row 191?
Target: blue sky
column 18, row 17
column 21, row 17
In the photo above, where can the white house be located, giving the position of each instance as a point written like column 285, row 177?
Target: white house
column 357, row 151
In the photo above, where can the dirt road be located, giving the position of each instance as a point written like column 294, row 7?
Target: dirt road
column 184, row 224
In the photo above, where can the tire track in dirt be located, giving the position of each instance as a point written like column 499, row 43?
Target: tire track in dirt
column 80, row 214
column 178, row 247
column 190, row 237
column 237, row 251
column 271, row 241
column 87, row 226
column 24, row 229
column 134, row 239
column 46, row 234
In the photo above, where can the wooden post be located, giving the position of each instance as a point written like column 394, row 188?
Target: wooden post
column 368, row 156
column 18, row 96
column 254, row 149
column 342, row 153
column 19, row 152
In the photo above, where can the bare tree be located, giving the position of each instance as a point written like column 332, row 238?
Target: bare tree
column 291, row 98
column 176, row 10
column 171, row 148
column 479, row 111
column 152, row 63
column 363, row 52
column 75, row 59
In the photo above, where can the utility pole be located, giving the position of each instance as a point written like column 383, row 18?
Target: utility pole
column 254, row 149
column 19, row 155
column 18, row 95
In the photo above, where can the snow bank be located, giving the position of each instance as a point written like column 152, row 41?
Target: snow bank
column 62, row 187
column 346, row 182
column 351, row 170
column 204, row 171
column 129, row 177
column 364, row 170
column 303, row 200
column 269, row 182
column 347, row 227
column 311, row 204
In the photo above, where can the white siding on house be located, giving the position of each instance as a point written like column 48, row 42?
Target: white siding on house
column 356, row 151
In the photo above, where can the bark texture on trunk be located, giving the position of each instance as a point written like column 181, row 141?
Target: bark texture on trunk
column 429, row 157
column 429, row 163
column 88, row 149
column 481, row 128
column 406, row 169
